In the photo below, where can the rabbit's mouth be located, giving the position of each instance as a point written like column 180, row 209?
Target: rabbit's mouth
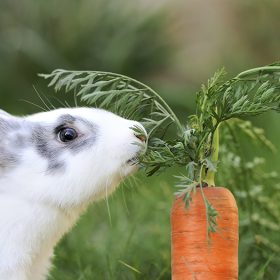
column 133, row 161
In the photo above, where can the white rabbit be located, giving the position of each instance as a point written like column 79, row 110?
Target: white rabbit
column 52, row 166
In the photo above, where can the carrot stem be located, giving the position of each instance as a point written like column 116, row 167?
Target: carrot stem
column 210, row 177
column 271, row 68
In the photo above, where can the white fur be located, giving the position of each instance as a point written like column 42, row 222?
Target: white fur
column 37, row 208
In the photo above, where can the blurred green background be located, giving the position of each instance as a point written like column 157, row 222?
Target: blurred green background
column 173, row 46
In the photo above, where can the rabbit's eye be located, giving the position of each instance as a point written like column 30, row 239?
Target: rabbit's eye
column 67, row 134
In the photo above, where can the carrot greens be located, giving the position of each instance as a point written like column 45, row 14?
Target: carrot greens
column 219, row 103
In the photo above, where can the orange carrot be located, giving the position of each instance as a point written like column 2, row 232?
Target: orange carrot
column 194, row 256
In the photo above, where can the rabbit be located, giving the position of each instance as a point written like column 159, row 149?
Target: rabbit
column 52, row 166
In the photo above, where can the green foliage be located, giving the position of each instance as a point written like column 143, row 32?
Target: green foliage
column 259, row 210
column 255, row 134
column 117, row 93
column 196, row 147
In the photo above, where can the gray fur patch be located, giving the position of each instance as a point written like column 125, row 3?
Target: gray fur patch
column 66, row 119
column 55, row 166
column 8, row 159
column 48, row 146
column 9, row 125
column 78, row 144
column 17, row 134
column 45, row 144
column 13, row 138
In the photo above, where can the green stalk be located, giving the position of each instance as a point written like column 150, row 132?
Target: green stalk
column 257, row 70
column 210, row 177
column 201, row 151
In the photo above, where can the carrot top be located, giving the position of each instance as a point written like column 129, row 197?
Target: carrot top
column 219, row 103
